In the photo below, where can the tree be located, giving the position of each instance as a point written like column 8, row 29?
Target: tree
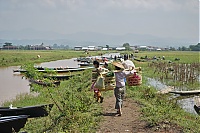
column 127, row 46
column 107, row 46
column 195, row 47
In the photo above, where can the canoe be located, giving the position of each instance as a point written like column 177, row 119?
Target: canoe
column 197, row 109
column 60, row 77
column 40, row 82
column 31, row 111
column 192, row 92
column 10, row 123
column 58, row 71
column 197, row 104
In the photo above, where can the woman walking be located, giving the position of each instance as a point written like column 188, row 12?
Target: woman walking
column 120, row 89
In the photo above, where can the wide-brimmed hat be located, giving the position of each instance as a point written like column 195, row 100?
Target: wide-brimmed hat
column 118, row 64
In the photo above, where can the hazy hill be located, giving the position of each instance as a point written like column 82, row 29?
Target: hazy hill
column 30, row 36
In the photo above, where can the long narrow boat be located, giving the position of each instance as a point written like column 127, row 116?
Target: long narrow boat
column 58, row 71
column 197, row 104
column 40, row 82
column 197, row 109
column 31, row 111
column 60, row 77
column 12, row 124
column 192, row 92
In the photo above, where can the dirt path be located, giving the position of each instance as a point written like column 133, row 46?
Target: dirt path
column 129, row 121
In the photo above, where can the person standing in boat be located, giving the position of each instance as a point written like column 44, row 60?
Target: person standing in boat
column 119, row 91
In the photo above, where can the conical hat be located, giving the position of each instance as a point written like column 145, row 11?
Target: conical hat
column 118, row 64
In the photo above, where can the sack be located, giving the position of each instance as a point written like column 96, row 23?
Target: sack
column 100, row 83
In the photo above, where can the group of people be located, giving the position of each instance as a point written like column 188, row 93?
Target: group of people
column 122, row 70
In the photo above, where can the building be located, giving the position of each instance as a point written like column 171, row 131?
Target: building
column 120, row 48
column 91, row 48
column 78, row 48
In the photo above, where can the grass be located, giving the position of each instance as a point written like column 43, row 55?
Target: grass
column 20, row 57
column 74, row 108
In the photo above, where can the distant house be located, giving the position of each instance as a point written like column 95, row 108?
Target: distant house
column 120, row 48
column 78, row 48
column 158, row 49
column 104, row 49
column 91, row 48
column 84, row 48
column 39, row 47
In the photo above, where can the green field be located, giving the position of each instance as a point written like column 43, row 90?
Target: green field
column 76, row 110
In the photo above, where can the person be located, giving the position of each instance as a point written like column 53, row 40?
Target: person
column 128, row 64
column 97, row 93
column 119, row 91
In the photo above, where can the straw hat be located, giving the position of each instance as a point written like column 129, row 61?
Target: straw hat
column 118, row 64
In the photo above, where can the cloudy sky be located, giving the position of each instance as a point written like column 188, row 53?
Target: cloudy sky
column 162, row 18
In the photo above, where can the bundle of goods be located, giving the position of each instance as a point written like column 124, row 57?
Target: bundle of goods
column 109, row 80
column 135, row 79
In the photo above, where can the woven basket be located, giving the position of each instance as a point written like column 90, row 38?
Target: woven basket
column 109, row 83
column 134, row 79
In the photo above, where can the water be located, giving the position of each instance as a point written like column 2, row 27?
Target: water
column 11, row 84
column 185, row 103
column 157, row 84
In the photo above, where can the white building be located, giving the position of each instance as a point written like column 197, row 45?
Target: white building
column 120, row 48
column 77, row 48
column 92, row 48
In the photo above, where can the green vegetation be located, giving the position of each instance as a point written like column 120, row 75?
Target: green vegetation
column 74, row 107
column 21, row 57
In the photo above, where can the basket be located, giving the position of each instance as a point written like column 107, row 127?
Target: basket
column 134, row 79
column 109, row 83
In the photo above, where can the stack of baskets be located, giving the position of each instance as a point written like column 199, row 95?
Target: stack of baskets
column 109, row 80
column 135, row 79
column 109, row 83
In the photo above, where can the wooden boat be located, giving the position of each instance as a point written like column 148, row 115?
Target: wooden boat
column 85, row 64
column 197, row 109
column 12, row 124
column 58, row 71
column 55, row 68
column 40, row 82
column 60, row 77
column 197, row 104
column 192, row 92
column 30, row 111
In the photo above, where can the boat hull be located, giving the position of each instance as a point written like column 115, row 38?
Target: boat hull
column 197, row 109
column 10, row 123
column 31, row 111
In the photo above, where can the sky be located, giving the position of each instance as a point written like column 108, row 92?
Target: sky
column 162, row 18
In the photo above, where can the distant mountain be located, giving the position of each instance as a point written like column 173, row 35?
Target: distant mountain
column 31, row 37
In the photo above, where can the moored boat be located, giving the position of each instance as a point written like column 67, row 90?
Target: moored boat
column 10, row 124
column 58, row 71
column 197, row 109
column 40, row 82
column 31, row 111
column 192, row 92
